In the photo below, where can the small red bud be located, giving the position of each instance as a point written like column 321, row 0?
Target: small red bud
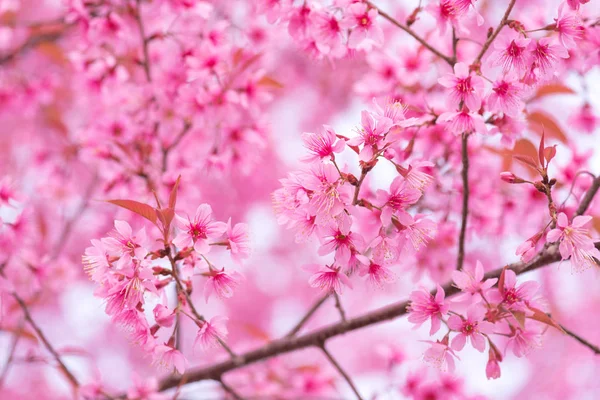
column 509, row 177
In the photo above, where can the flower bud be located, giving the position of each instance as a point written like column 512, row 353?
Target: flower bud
column 510, row 177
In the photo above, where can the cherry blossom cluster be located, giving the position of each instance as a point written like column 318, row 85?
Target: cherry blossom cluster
column 324, row 200
column 134, row 275
column 199, row 80
column 575, row 241
column 486, row 311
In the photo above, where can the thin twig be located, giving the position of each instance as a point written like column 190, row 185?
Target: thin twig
column 307, row 316
column 338, row 305
column 547, row 256
column 11, row 354
column 493, row 36
column 589, row 196
column 44, row 340
column 363, row 175
column 230, row 390
column 342, row 372
column 195, row 312
column 581, row 340
column 411, row 33
column 465, row 202
column 140, row 24
column 166, row 150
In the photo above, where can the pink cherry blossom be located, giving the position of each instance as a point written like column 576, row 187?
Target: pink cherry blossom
column 238, row 241
column 441, row 356
column 575, row 242
column 464, row 87
column 365, row 32
column 370, row 134
column 473, row 327
column 506, row 97
column 511, row 52
column 424, row 306
column 222, row 283
column 198, row 231
column 472, row 284
column 211, row 331
column 569, row 27
column 395, row 202
column 169, row 357
column 326, row 278
column 522, row 341
column 322, row 144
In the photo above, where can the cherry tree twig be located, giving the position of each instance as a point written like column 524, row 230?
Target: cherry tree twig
column 337, row 366
column 493, row 36
column 338, row 305
column 317, row 338
column 45, row 341
column 412, row 33
column 230, row 390
column 140, row 24
column 307, row 316
column 589, row 196
column 465, row 201
column 581, row 340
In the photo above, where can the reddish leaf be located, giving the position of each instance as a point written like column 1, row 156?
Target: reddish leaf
column 549, row 153
column 541, row 122
column 501, row 282
column 527, row 160
column 541, row 150
column 139, row 208
column 520, row 317
column 173, row 195
column 165, row 216
column 553, row 88
column 542, row 317
column 269, row 82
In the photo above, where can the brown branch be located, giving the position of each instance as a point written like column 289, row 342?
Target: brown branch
column 411, row 33
column 581, row 340
column 307, row 316
column 338, row 305
column 230, row 390
column 465, row 202
column 44, row 340
column 493, row 36
column 140, row 24
column 589, row 196
column 342, row 372
column 195, row 312
column 317, row 338
column 363, row 175
column 166, row 150
column 11, row 354
column 68, row 227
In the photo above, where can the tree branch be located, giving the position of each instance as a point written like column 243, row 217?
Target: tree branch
column 317, row 338
column 581, row 340
column 230, row 390
column 307, row 316
column 411, row 33
column 465, row 202
column 493, row 36
column 342, row 372
column 589, row 196
column 140, row 24
column 338, row 305
column 44, row 340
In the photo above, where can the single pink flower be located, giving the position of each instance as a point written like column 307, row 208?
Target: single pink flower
column 327, row 192
column 424, row 306
column 370, row 135
column 441, row 356
column 211, row 331
column 506, row 97
column 365, row 32
column 517, row 297
column 584, row 119
column 511, row 52
column 197, row 232
column 322, row 144
column 340, row 239
column 546, row 55
column 472, row 284
column 575, row 241
column 472, row 327
column 329, row 279
column 415, row 177
column 222, row 283
column 395, row 202
column 170, row 357
column 569, row 27
column 464, row 87
column 237, row 238
column 463, row 122
column 123, row 243
column 523, row 341
column 377, row 275
column 163, row 315
column 146, row 389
